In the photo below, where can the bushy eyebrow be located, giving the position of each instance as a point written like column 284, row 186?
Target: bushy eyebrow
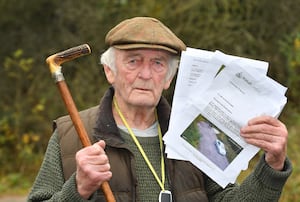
column 137, row 54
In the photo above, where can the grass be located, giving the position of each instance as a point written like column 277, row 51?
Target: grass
column 19, row 183
column 15, row 184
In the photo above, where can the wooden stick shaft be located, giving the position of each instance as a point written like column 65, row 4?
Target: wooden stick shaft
column 70, row 105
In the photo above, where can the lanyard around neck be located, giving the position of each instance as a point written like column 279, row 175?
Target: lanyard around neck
column 162, row 181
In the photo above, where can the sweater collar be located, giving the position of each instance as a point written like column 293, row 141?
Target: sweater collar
column 106, row 127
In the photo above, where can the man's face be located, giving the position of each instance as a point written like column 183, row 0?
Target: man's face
column 140, row 76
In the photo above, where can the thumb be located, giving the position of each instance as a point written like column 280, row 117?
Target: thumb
column 101, row 143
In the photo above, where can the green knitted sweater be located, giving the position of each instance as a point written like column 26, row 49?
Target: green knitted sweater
column 147, row 188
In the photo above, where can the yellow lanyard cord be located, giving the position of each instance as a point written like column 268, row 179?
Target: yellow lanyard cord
column 162, row 181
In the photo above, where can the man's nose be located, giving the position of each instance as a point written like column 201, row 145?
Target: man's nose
column 146, row 72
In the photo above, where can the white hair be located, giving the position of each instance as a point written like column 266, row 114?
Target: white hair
column 108, row 59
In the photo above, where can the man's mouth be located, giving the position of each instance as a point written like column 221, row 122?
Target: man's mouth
column 143, row 89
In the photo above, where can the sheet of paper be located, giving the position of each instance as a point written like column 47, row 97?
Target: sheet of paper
column 210, row 105
column 192, row 80
column 198, row 68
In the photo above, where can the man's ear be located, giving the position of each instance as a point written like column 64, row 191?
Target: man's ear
column 168, row 83
column 110, row 75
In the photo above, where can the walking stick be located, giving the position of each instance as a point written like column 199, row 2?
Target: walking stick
column 54, row 62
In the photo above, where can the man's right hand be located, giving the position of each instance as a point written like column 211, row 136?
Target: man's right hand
column 93, row 169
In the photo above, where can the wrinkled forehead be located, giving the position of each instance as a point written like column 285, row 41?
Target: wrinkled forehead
column 144, row 52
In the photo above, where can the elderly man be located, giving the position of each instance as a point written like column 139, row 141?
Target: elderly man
column 127, row 130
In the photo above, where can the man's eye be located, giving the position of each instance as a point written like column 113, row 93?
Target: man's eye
column 158, row 62
column 132, row 61
column 158, row 66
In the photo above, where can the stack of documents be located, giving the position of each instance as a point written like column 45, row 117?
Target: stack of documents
column 215, row 95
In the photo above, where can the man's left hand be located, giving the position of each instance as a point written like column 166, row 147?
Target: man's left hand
column 270, row 135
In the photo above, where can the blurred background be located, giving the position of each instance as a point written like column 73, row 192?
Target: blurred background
column 32, row 30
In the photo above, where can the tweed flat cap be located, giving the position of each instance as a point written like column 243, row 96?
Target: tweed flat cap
column 144, row 32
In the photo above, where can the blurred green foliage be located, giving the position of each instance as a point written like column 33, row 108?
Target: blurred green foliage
column 290, row 47
column 32, row 30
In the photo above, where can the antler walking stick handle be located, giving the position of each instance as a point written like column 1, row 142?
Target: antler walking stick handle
column 54, row 62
